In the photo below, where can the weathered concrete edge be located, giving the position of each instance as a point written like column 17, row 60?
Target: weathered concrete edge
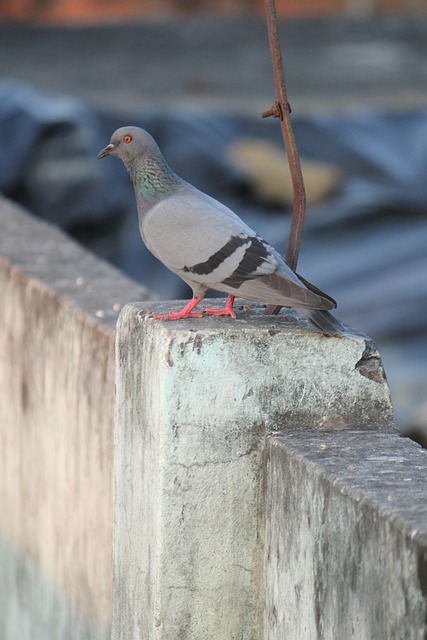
column 59, row 301
column 346, row 536
column 50, row 260
column 383, row 470
column 350, row 367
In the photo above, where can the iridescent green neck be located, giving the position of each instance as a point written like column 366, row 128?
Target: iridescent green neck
column 153, row 178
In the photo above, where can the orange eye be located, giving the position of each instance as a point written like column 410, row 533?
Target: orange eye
column 127, row 139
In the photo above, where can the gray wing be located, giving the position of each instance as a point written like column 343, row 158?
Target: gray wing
column 280, row 288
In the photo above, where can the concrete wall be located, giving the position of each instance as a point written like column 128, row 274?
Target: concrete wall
column 346, row 537
column 260, row 491
column 58, row 311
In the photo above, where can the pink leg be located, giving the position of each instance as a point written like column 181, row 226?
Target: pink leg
column 184, row 313
column 226, row 311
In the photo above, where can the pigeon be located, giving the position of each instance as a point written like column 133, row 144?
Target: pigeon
column 206, row 244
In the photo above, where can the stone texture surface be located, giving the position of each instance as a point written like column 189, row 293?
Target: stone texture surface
column 195, row 403
column 346, row 537
column 57, row 317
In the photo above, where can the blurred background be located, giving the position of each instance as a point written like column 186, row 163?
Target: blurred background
column 197, row 75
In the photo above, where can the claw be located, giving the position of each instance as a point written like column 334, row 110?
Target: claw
column 220, row 312
column 178, row 315
column 184, row 313
column 226, row 311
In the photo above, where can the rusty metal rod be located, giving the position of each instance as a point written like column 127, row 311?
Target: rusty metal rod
column 281, row 109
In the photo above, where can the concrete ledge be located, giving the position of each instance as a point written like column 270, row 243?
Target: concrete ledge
column 50, row 261
column 346, row 537
column 57, row 327
column 195, row 403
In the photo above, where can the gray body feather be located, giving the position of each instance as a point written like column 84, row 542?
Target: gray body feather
column 205, row 243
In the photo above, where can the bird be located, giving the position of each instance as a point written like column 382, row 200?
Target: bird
column 206, row 244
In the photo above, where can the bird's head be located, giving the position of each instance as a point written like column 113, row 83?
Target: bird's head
column 129, row 143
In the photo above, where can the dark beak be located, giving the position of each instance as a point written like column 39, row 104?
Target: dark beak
column 107, row 151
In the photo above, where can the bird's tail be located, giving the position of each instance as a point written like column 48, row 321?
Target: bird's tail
column 323, row 320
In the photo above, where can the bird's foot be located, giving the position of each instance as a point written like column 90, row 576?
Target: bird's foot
column 186, row 312
column 178, row 315
column 226, row 311
column 220, row 312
